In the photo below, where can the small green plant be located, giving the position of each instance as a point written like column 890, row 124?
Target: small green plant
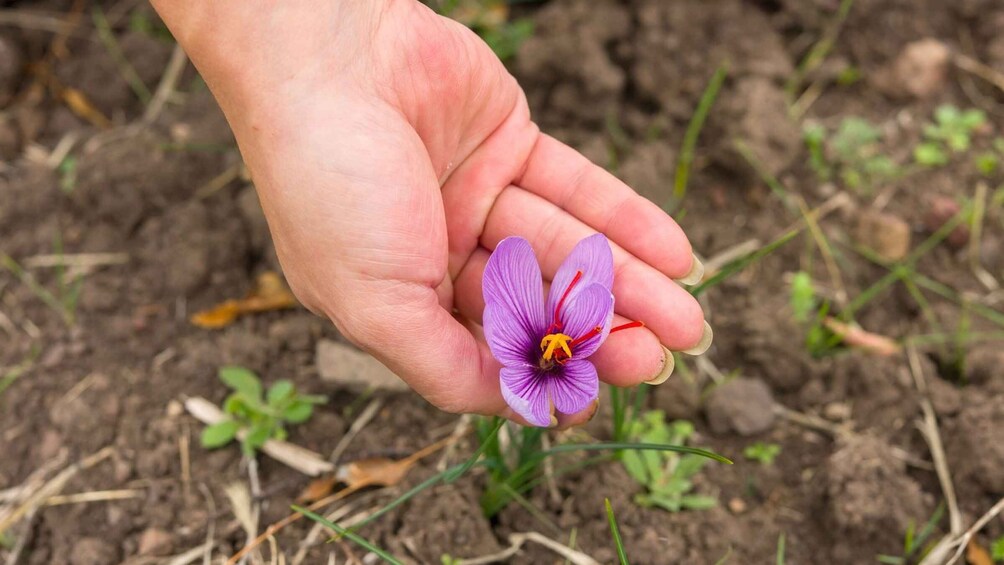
column 666, row 476
column 852, row 154
column 997, row 550
column 914, row 541
column 68, row 174
column 489, row 19
column 261, row 417
column 810, row 312
column 951, row 132
column 765, row 453
column 447, row 559
column 512, row 467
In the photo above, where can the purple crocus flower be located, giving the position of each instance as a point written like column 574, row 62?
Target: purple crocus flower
column 544, row 349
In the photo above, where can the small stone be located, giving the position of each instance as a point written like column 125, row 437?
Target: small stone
column 737, row 505
column 93, row 551
column 920, row 70
column 50, row 445
column 885, row 234
column 742, row 405
column 154, row 541
column 175, row 409
column 941, row 210
column 345, row 365
column 837, row 411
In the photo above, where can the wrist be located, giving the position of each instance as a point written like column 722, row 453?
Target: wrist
column 251, row 49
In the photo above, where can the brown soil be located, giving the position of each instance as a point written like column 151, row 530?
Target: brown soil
column 618, row 80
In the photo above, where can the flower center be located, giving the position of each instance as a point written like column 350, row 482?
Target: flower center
column 552, row 342
column 556, row 346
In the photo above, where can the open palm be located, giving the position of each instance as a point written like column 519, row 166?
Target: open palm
column 391, row 162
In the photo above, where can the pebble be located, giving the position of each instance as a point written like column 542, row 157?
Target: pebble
column 93, row 551
column 154, row 541
column 884, row 233
column 742, row 405
column 345, row 365
column 921, row 68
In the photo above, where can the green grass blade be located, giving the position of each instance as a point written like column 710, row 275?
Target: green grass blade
column 694, row 130
column 743, row 262
column 126, row 69
column 779, row 560
column 621, row 554
column 359, row 540
column 617, row 446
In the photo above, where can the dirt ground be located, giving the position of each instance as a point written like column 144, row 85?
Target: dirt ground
column 620, row 81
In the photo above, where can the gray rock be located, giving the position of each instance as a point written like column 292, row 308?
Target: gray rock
column 744, row 406
column 345, row 365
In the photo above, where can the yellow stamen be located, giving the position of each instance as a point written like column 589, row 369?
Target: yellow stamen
column 551, row 342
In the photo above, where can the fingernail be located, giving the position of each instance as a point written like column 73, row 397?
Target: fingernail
column 695, row 274
column 667, row 369
column 705, row 342
column 595, row 410
column 554, row 421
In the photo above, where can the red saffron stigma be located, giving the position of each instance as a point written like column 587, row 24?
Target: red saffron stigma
column 627, row 326
column 591, row 333
column 561, row 302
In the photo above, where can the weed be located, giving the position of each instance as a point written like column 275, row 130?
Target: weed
column 810, row 312
column 667, row 477
column 852, row 154
column 914, row 541
column 262, row 418
column 765, row 453
column 615, row 531
column 781, row 550
column 68, row 174
column 997, row 549
column 447, row 559
column 694, row 130
column 951, row 132
column 489, row 19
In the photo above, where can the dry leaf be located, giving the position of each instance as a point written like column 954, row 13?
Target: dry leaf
column 854, row 336
column 81, row 106
column 376, row 472
column 976, row 555
column 270, row 293
column 317, row 489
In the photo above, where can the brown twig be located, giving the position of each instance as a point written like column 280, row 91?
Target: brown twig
column 275, row 527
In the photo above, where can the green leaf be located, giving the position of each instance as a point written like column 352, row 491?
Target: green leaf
column 930, row 155
column 298, row 412
column 987, row 163
column 635, row 466
column 698, row 502
column 258, row 435
column 241, row 380
column 803, row 296
column 997, row 549
column 279, row 391
column 219, row 434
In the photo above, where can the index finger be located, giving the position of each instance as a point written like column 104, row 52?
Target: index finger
column 562, row 175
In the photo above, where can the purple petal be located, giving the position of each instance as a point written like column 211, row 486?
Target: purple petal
column 574, row 389
column 507, row 341
column 525, row 391
column 593, row 306
column 593, row 257
column 512, row 285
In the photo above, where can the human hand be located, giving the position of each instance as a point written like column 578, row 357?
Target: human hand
column 392, row 151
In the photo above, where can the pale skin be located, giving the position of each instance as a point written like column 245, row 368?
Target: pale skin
column 391, row 151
